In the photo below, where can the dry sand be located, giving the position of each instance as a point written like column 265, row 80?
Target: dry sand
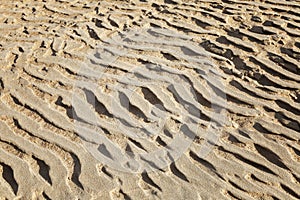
column 150, row 99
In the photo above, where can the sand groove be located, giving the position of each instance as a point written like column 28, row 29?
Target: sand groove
column 60, row 91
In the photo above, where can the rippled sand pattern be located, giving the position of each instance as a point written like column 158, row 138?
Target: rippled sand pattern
column 252, row 47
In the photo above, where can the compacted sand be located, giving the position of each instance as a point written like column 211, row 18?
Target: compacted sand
column 150, row 99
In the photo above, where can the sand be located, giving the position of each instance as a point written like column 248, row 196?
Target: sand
column 150, row 99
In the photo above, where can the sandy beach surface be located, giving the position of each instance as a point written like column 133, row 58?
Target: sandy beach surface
column 150, row 99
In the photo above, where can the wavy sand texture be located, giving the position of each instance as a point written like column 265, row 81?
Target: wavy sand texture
column 255, row 50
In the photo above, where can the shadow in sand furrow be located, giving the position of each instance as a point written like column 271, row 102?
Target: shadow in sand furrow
column 18, row 125
column 296, row 177
column 272, row 24
column 98, row 22
column 235, row 185
column 53, row 49
column 257, row 179
column 76, row 171
column 237, row 61
column 8, row 175
column 278, row 3
column 256, row 43
column 104, row 170
column 226, row 53
column 43, row 169
column 70, row 111
column 287, row 121
column 126, row 196
column 287, row 107
column 1, row 85
column 205, row 163
column 92, row 33
column 213, row 48
column 252, row 37
column 129, row 151
column 203, row 101
column 171, row 2
column 228, row 1
column 265, row 81
column 178, row 173
column 228, row 11
column 240, row 87
column 136, row 111
column 46, row 196
column 293, row 12
column 263, row 88
column 151, row 97
column 266, row 131
column 102, row 149
column 13, row 146
column 289, row 31
column 249, row 162
column 44, row 118
column 56, row 10
column 168, row 133
column 271, row 71
column 290, row 191
column 161, row 142
column 270, row 156
column 94, row 101
column 169, row 56
column 152, row 164
column 226, row 41
column 235, row 33
column 192, row 109
column 69, row 72
column 208, row 14
column 284, row 63
column 200, row 23
column 148, row 180
column 292, row 26
column 238, row 101
column 137, row 144
column 234, row 196
column 244, row 134
column 180, row 28
column 113, row 23
column 297, row 44
column 234, row 140
column 202, row 161
column 261, row 30
column 33, row 76
column 290, row 52
column 296, row 151
column 198, row 96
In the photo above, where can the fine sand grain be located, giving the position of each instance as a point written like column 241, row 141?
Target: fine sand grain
column 150, row 99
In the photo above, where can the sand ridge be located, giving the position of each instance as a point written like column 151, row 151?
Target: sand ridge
column 240, row 60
